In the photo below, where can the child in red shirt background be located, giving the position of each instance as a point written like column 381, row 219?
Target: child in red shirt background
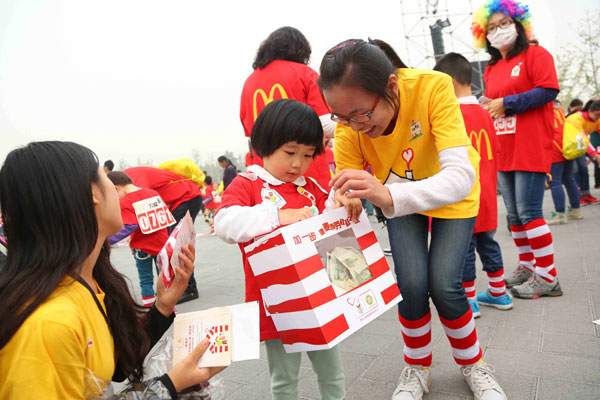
column 481, row 131
column 144, row 247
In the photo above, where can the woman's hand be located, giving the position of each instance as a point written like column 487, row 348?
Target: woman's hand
column 167, row 298
column 292, row 215
column 186, row 372
column 495, row 108
column 356, row 184
column 353, row 206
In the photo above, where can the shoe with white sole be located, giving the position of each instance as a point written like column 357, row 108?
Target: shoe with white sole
column 414, row 381
column 481, row 381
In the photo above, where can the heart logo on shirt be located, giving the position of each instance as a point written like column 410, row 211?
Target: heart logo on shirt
column 408, row 155
column 350, row 300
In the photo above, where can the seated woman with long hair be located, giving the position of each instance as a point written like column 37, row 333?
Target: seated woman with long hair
column 67, row 314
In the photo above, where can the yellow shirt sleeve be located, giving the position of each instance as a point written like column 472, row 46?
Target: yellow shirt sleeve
column 576, row 120
column 346, row 152
column 447, row 124
column 47, row 361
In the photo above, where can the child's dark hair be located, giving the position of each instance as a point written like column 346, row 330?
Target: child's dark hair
column 457, row 66
column 119, row 178
column 355, row 62
column 283, row 121
column 208, row 180
column 285, row 43
column 575, row 103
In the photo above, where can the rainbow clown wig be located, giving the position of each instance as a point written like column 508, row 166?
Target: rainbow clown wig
column 518, row 12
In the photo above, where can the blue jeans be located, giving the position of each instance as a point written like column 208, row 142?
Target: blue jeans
column 434, row 270
column 489, row 253
column 562, row 174
column 523, row 194
column 143, row 262
column 580, row 170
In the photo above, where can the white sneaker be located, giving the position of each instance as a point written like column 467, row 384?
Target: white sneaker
column 414, row 381
column 482, row 382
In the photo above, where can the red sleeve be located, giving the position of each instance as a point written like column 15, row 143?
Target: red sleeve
column 239, row 193
column 543, row 72
column 314, row 98
column 127, row 213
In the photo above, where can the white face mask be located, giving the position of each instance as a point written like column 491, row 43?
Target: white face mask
column 503, row 39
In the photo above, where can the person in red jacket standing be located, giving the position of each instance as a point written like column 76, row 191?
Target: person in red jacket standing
column 281, row 72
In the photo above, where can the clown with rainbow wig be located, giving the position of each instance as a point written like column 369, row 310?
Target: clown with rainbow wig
column 520, row 85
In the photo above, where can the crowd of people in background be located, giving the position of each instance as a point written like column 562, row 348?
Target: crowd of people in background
column 365, row 131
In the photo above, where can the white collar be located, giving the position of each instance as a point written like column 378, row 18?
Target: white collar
column 468, row 100
column 270, row 179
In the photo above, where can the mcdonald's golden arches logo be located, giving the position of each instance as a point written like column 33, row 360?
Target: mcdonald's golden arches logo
column 267, row 99
column 478, row 136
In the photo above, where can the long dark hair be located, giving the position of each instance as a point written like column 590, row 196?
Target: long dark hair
column 51, row 225
column 521, row 45
column 285, row 43
column 355, row 62
column 592, row 105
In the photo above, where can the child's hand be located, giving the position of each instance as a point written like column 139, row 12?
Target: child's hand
column 292, row 215
column 353, row 206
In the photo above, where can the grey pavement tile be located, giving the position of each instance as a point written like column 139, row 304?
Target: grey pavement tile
column 551, row 389
column 527, row 307
column 517, row 332
column 547, row 365
column 231, row 387
column 386, row 369
column 383, row 327
column 570, row 344
column 517, row 386
column 367, row 343
column 567, row 317
column 245, row 371
column 364, row 389
column 258, row 389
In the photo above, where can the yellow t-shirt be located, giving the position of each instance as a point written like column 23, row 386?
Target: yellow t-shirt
column 429, row 121
column 583, row 124
column 49, row 355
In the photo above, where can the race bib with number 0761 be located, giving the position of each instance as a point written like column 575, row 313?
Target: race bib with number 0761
column 152, row 215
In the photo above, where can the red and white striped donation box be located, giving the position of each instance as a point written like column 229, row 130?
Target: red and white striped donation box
column 322, row 279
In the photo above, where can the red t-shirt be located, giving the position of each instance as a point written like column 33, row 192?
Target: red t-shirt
column 208, row 192
column 480, row 128
column 245, row 190
column 151, row 243
column 525, row 139
column 173, row 189
column 282, row 79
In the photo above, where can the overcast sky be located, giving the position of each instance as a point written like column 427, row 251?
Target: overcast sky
column 153, row 80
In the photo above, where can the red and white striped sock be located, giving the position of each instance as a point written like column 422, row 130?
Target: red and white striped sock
column 462, row 335
column 496, row 285
column 540, row 240
column 417, row 340
column 148, row 301
column 519, row 236
column 470, row 290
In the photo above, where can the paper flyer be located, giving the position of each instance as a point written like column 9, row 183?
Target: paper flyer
column 233, row 332
column 168, row 257
column 186, row 235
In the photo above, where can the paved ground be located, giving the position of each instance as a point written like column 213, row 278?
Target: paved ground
column 541, row 349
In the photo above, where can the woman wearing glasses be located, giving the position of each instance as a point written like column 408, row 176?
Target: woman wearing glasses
column 521, row 81
column 407, row 125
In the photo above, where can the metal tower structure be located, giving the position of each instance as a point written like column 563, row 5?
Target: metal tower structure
column 434, row 27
